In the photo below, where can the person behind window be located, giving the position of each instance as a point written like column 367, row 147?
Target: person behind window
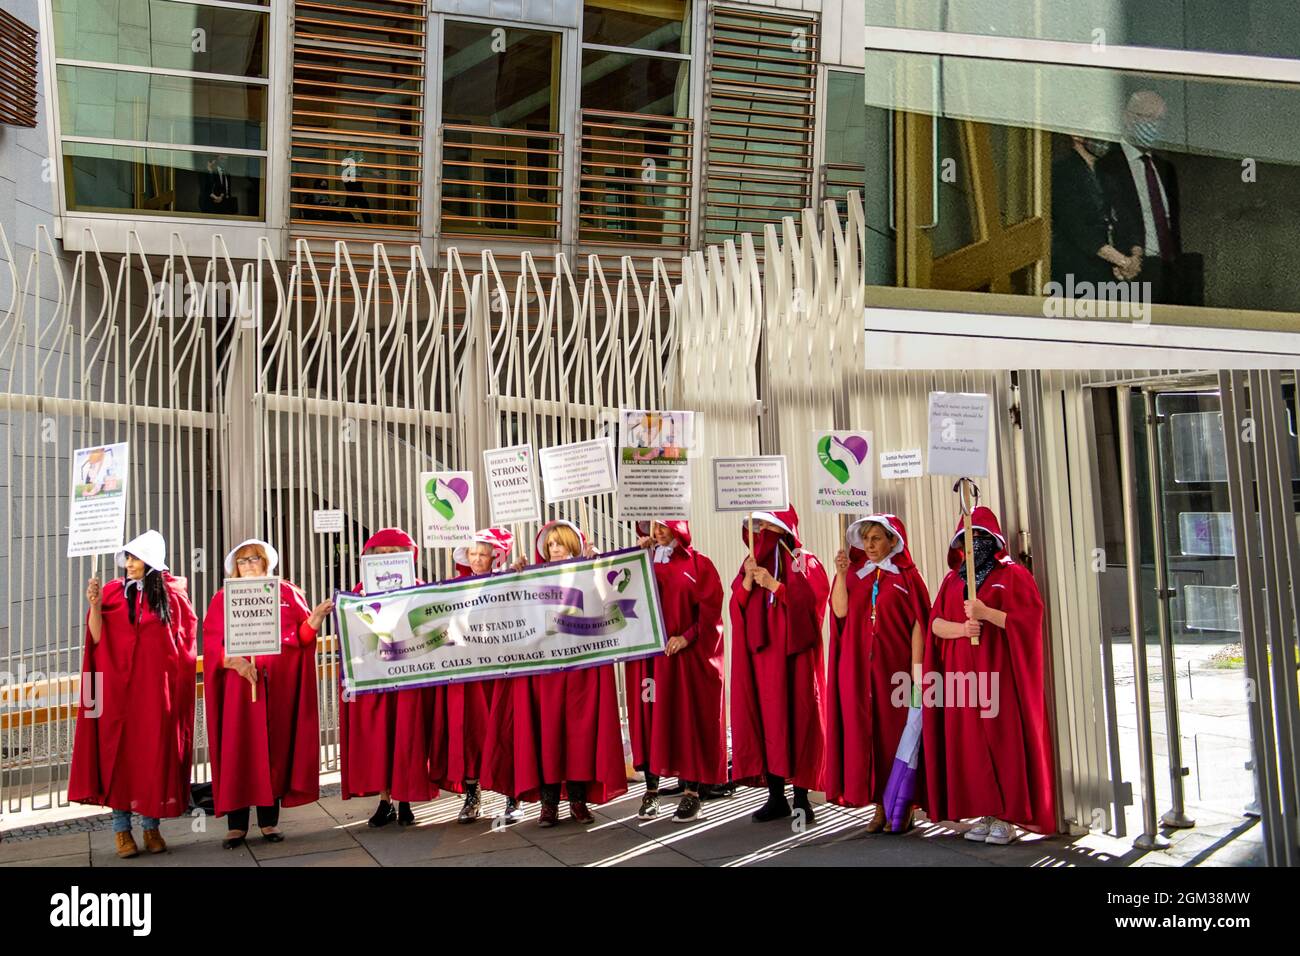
column 1084, row 240
column 215, row 197
column 1145, row 192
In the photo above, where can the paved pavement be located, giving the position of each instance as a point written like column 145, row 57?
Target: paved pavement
column 333, row 832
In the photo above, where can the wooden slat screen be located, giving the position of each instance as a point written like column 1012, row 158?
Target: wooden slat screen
column 17, row 72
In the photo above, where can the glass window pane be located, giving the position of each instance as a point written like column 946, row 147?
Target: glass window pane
column 110, row 104
column 660, row 25
column 1192, row 181
column 499, row 76
column 1253, row 27
column 624, row 83
column 162, row 182
column 162, row 34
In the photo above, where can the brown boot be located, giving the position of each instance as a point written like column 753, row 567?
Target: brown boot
column 126, row 847
column 153, row 841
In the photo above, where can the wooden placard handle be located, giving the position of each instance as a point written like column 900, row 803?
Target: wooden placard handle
column 967, row 507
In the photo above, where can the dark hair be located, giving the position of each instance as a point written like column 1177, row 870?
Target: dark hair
column 154, row 589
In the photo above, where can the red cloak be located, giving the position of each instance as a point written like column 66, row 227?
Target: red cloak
column 385, row 737
column 776, row 666
column 269, row 750
column 556, row 727
column 864, row 715
column 135, row 755
column 998, row 765
column 677, row 722
column 461, row 721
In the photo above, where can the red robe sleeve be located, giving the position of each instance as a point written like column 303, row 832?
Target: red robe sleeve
column 805, row 595
column 707, row 596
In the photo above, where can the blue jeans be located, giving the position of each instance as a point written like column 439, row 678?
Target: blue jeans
column 122, row 822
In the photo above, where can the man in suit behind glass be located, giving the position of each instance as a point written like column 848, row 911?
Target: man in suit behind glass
column 215, row 197
column 1144, row 188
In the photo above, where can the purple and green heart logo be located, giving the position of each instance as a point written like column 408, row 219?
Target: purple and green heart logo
column 620, row 579
column 456, row 487
column 853, row 447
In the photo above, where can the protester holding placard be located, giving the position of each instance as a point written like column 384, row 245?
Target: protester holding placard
column 988, row 757
column 384, row 736
column 778, row 601
column 675, row 708
column 879, row 612
column 559, row 735
column 265, row 746
column 465, row 707
column 134, row 735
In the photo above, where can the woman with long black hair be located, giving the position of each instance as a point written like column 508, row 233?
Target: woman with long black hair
column 134, row 738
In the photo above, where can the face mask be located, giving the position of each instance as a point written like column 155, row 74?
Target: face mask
column 1144, row 133
column 1097, row 147
column 765, row 543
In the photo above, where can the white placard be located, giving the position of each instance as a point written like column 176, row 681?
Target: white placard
column 843, row 470
column 387, row 572
column 671, row 433
column 578, row 469
column 750, row 484
column 653, row 488
column 252, row 616
column 447, row 508
column 959, row 434
column 511, row 485
column 97, row 512
column 327, row 521
column 901, row 464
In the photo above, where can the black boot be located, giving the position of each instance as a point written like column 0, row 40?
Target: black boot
column 404, row 815
column 383, row 815
column 801, row 803
column 776, row 806
column 469, row 811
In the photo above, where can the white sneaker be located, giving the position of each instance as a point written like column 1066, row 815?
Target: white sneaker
column 979, row 833
column 1001, row 833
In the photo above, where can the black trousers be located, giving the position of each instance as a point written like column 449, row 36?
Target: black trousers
column 266, row 817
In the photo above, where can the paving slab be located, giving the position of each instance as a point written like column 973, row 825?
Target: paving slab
column 513, row 856
column 602, row 842
column 31, row 851
column 353, row 857
column 392, row 846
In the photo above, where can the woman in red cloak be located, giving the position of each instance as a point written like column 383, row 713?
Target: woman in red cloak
column 879, row 615
column 778, row 601
column 559, row 734
column 463, row 708
column 675, row 703
column 990, row 757
column 384, row 737
column 134, row 736
column 264, row 753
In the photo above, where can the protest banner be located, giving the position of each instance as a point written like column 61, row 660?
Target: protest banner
column 447, row 508
column 97, row 513
column 544, row 618
column 842, row 467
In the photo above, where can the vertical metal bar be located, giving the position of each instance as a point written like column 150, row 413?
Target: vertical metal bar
column 1176, row 816
column 1148, row 839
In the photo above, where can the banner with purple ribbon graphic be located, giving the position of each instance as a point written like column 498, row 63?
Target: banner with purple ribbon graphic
column 544, row 618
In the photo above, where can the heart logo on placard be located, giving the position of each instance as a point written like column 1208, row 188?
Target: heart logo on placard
column 855, row 447
column 458, row 487
column 620, row 579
